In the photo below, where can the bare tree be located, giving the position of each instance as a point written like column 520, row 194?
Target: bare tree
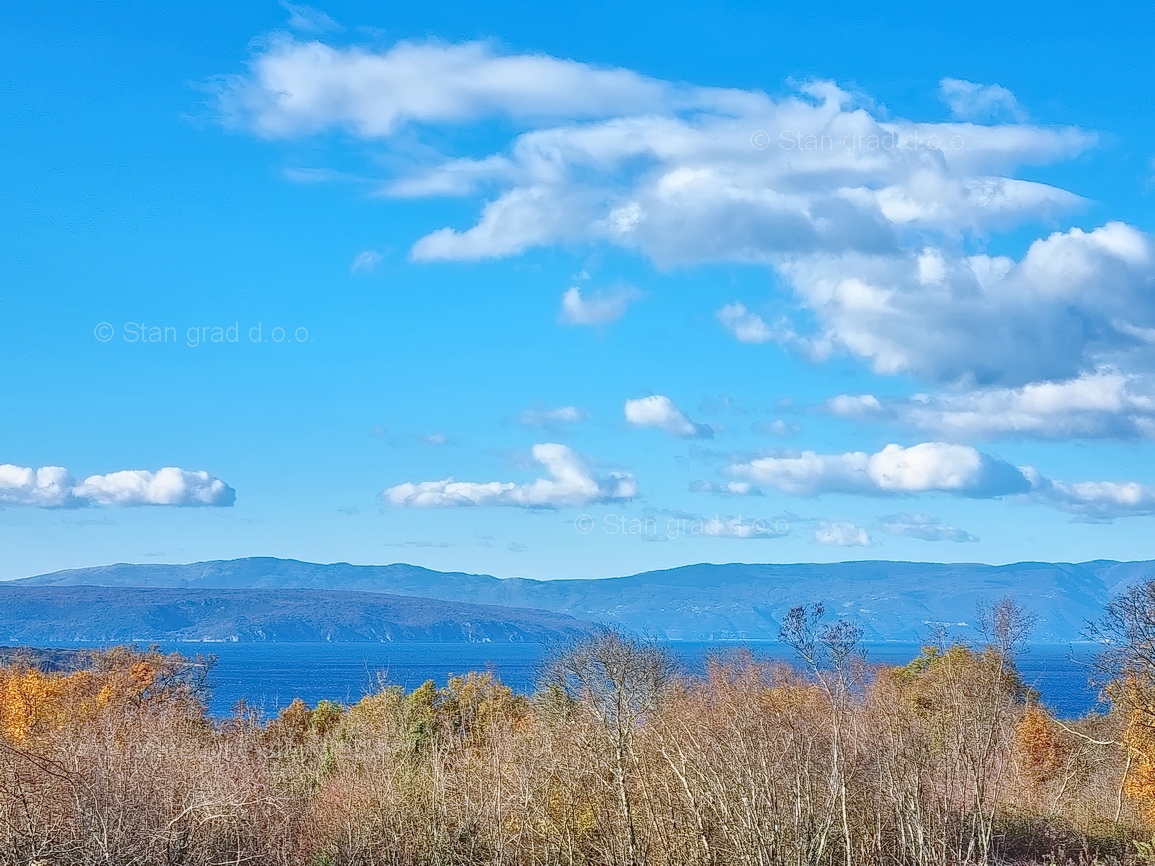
column 834, row 654
column 622, row 678
column 1126, row 631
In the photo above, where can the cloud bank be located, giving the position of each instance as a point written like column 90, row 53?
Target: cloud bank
column 54, row 487
column 1105, row 404
column 942, row 468
column 925, row 468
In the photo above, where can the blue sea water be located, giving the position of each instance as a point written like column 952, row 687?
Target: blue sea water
column 270, row 675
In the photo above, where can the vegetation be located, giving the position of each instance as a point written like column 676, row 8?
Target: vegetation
column 619, row 758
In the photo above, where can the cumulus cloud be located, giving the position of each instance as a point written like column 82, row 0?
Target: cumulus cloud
column 946, row 468
column 841, row 535
column 598, row 308
column 1076, row 301
column 365, row 262
column 54, row 487
column 1105, row 404
column 923, row 468
column 46, row 487
column 971, row 101
column 570, row 483
column 659, row 411
column 922, row 526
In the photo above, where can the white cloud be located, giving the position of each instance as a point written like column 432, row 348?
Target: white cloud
column 168, row 486
column 842, row 535
column 1076, row 301
column 922, row 526
column 712, row 197
column 1105, row 404
column 551, row 418
column 681, row 172
column 847, row 406
column 924, row 468
column 47, row 487
column 599, row 308
column 1097, row 500
column 294, row 87
column 866, row 219
column 569, row 484
column 54, row 487
column 365, row 262
column 971, row 101
column 659, row 411
column 810, row 473
column 747, row 327
column 941, row 467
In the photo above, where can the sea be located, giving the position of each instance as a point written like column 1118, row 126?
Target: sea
column 269, row 675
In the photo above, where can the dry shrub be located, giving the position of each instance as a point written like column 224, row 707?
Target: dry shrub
column 618, row 759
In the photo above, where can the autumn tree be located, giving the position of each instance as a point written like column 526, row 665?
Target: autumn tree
column 1126, row 669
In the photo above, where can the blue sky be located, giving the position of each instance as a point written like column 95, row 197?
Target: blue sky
column 575, row 292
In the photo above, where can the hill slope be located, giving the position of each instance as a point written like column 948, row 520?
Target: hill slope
column 31, row 614
column 893, row 600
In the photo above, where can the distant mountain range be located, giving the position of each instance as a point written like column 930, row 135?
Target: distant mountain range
column 61, row 613
column 266, row 598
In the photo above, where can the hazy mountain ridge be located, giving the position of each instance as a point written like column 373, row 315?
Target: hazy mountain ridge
column 893, row 600
column 30, row 614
